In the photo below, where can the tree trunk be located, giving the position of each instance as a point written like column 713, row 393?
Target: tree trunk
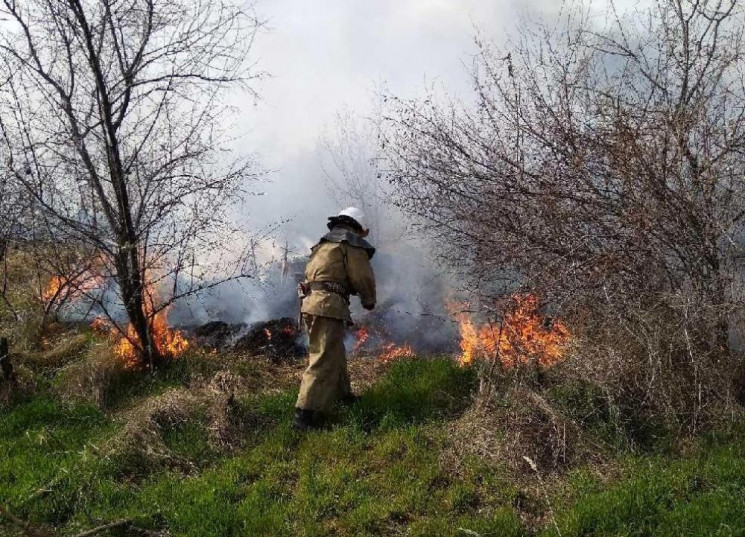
column 5, row 365
column 718, row 299
column 133, row 295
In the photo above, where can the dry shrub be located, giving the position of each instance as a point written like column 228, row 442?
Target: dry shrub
column 664, row 365
column 636, row 377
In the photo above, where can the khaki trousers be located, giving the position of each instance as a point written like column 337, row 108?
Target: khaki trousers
column 326, row 379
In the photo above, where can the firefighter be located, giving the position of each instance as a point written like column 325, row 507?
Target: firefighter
column 339, row 266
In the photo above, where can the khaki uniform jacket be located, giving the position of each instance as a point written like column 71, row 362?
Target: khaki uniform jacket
column 341, row 263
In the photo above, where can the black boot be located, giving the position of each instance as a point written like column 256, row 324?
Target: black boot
column 303, row 420
column 350, row 399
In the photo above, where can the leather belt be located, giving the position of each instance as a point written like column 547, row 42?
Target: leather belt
column 331, row 287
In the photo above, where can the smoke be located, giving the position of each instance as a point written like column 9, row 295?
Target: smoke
column 412, row 290
column 316, row 68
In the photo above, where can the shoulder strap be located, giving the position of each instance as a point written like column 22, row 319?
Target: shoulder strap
column 339, row 235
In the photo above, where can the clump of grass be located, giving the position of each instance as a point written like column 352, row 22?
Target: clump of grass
column 523, row 422
column 140, row 447
column 66, row 348
column 96, row 378
column 183, row 428
column 415, row 391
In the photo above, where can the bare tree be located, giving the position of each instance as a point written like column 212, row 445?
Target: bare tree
column 113, row 123
column 12, row 209
column 600, row 165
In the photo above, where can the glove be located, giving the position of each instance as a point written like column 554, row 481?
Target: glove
column 369, row 307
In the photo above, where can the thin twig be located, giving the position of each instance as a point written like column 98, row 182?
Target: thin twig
column 99, row 529
column 26, row 527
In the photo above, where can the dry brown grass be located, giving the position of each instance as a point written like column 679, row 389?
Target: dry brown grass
column 263, row 374
column 141, row 438
column 522, row 424
column 60, row 350
column 210, row 403
column 225, row 420
column 92, row 377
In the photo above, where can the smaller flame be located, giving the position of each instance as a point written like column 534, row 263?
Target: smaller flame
column 393, row 352
column 53, row 289
column 100, row 324
column 169, row 342
column 361, row 336
column 85, row 281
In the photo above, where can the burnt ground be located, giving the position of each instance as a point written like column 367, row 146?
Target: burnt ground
column 278, row 339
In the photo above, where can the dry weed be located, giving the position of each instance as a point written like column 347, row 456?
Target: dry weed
column 140, row 442
column 60, row 351
column 92, row 378
column 521, row 423
column 212, row 404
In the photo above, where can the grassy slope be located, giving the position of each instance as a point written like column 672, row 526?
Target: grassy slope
column 377, row 470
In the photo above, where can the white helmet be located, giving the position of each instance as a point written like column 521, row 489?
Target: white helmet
column 355, row 214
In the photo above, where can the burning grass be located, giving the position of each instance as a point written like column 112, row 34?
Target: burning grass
column 523, row 337
column 169, row 342
column 374, row 341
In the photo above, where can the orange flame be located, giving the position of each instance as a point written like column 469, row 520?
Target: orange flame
column 169, row 343
column 361, row 335
column 81, row 280
column 385, row 352
column 395, row 352
column 522, row 337
column 101, row 325
column 53, row 289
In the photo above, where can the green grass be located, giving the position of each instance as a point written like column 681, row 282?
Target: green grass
column 663, row 496
column 376, row 469
column 43, row 447
column 373, row 470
